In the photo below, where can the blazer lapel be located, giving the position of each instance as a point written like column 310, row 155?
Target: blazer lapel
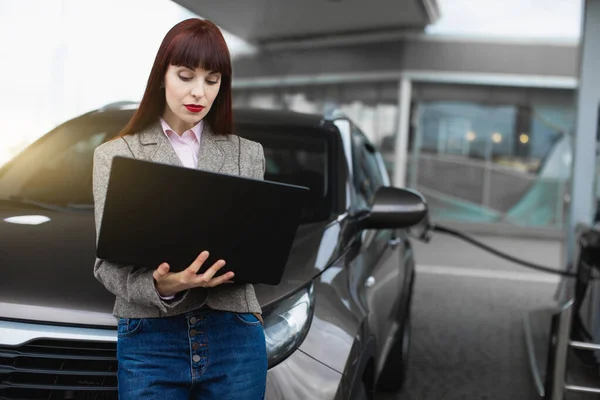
column 157, row 146
column 211, row 156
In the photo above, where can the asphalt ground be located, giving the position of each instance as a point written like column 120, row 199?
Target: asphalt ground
column 468, row 338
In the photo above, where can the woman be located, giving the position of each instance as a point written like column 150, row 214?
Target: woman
column 185, row 335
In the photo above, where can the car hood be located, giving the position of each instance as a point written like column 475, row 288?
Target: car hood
column 47, row 260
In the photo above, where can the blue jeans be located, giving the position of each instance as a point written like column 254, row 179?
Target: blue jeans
column 204, row 354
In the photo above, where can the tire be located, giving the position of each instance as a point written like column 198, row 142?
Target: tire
column 394, row 372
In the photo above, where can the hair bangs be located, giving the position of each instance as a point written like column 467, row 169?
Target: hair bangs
column 201, row 48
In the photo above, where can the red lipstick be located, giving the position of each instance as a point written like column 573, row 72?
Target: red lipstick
column 194, row 108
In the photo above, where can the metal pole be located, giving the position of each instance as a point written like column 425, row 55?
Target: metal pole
column 416, row 148
column 401, row 152
column 487, row 184
column 558, row 349
column 560, row 199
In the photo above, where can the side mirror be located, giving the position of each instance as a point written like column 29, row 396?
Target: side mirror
column 395, row 208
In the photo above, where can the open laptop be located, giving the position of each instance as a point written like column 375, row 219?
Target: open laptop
column 157, row 213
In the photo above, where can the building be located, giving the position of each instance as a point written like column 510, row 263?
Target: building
column 483, row 127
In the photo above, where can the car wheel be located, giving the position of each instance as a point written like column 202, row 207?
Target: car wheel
column 394, row 372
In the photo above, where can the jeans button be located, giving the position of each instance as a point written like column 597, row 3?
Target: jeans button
column 195, row 346
column 194, row 333
column 193, row 320
column 196, row 358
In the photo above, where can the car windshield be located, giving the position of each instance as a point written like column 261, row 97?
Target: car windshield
column 56, row 171
column 299, row 157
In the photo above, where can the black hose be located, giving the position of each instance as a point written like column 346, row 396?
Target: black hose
column 466, row 238
column 579, row 331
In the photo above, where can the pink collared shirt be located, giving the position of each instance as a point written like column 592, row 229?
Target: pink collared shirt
column 187, row 147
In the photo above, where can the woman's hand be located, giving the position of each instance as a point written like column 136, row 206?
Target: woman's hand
column 170, row 283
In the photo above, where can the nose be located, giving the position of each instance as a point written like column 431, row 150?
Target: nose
column 198, row 90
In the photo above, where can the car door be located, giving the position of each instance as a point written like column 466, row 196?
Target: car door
column 379, row 276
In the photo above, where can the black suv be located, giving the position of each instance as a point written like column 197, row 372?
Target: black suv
column 337, row 326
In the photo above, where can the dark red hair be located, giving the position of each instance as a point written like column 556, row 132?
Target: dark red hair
column 193, row 43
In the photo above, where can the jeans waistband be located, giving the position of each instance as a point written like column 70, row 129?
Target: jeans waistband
column 199, row 311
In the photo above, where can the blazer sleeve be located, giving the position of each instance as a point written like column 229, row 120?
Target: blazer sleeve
column 259, row 162
column 132, row 284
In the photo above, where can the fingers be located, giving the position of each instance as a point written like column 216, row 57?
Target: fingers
column 213, row 270
column 207, row 280
column 160, row 272
column 197, row 264
column 225, row 278
column 191, row 278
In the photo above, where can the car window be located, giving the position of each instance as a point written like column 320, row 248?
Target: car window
column 300, row 158
column 57, row 170
column 597, row 216
column 367, row 173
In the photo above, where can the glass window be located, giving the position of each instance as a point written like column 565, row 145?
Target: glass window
column 597, row 215
column 266, row 100
column 494, row 163
column 372, row 106
column 367, row 174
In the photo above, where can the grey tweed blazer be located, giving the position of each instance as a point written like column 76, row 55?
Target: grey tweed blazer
column 136, row 296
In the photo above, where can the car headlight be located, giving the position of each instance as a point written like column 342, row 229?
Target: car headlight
column 286, row 324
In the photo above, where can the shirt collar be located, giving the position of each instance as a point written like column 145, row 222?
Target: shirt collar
column 196, row 129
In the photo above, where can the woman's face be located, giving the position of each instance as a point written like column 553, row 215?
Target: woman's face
column 190, row 95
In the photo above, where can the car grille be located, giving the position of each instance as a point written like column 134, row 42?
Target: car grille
column 59, row 369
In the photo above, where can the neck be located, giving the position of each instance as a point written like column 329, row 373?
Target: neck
column 177, row 124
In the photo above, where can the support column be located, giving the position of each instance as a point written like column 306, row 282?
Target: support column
column 583, row 193
column 401, row 147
